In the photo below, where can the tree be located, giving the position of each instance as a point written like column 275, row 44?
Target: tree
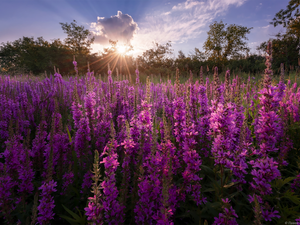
column 198, row 55
column 289, row 18
column 26, row 54
column 78, row 40
column 223, row 43
column 78, row 37
column 285, row 49
column 181, row 55
column 153, row 60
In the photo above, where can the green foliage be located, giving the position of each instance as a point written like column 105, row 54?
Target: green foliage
column 28, row 55
column 77, row 219
column 286, row 202
column 285, row 49
column 289, row 17
column 154, row 60
column 77, row 38
column 222, row 44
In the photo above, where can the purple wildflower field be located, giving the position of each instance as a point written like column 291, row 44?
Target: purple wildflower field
column 84, row 151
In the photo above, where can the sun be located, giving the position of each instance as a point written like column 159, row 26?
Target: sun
column 121, row 49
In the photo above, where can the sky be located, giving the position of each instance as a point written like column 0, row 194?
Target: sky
column 139, row 22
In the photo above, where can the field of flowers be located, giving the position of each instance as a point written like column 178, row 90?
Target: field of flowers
column 84, row 151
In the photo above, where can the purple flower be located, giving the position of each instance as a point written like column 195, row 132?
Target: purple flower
column 265, row 170
column 7, row 184
column 75, row 63
column 228, row 217
column 193, row 163
column 77, row 113
column 82, row 137
column 68, row 179
column 89, row 104
column 179, row 120
column 46, row 205
column 26, row 173
column 102, row 132
column 114, row 212
column 296, row 184
column 87, row 181
column 150, row 190
column 94, row 211
column 202, row 123
column 268, row 215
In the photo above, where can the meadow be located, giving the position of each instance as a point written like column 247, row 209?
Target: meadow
column 119, row 149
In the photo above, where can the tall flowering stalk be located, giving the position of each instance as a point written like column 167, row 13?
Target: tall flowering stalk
column 89, row 104
column 7, row 184
column 82, row 139
column 94, row 211
column 39, row 145
column 203, row 122
column 192, row 161
column 228, row 217
column 26, row 173
column 147, row 161
column 103, row 129
column 113, row 210
column 269, row 129
column 128, row 145
column 76, row 107
column 222, row 128
column 150, row 190
column 46, row 205
column 218, row 89
column 169, row 167
column 179, row 129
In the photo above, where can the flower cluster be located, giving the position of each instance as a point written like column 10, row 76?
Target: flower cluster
column 114, row 213
column 228, row 217
column 46, row 205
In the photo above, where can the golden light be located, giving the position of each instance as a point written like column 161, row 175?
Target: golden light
column 121, row 49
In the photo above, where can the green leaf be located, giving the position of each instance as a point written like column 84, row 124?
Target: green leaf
column 292, row 197
column 75, row 190
column 70, row 138
column 70, row 220
column 208, row 190
column 279, row 182
column 207, row 170
column 75, row 216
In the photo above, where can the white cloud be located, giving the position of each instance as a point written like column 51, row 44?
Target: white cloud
column 120, row 27
column 258, row 7
column 184, row 21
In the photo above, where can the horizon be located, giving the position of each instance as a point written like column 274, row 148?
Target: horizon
column 140, row 23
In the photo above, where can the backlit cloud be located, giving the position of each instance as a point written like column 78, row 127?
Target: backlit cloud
column 120, row 27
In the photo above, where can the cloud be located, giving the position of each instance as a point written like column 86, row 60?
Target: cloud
column 182, row 22
column 179, row 23
column 120, row 27
column 258, row 7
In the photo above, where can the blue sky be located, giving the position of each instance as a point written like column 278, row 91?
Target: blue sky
column 183, row 22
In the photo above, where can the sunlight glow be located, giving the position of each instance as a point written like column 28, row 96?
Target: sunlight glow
column 122, row 49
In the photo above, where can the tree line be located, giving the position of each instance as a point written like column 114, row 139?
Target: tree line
column 225, row 47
